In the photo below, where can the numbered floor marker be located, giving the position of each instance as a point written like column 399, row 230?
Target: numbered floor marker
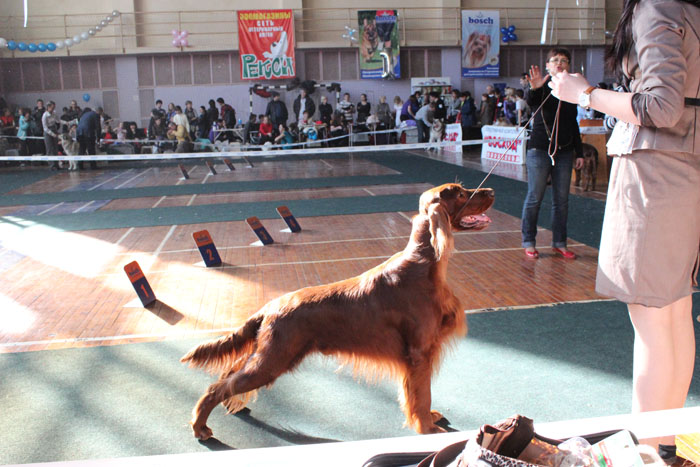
column 185, row 175
column 289, row 219
column 141, row 286
column 211, row 167
column 259, row 230
column 206, row 248
column 229, row 164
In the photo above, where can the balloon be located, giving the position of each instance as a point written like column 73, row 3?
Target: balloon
column 3, row 42
column 50, row 46
column 175, row 32
column 86, row 97
column 91, row 32
column 68, row 42
column 84, row 35
column 108, row 19
column 184, row 34
column 76, row 39
column 511, row 28
column 32, row 47
column 22, row 46
column 504, row 30
column 505, row 39
column 115, row 13
column 176, row 42
column 98, row 28
column 12, row 45
column 184, row 42
column 103, row 23
column 41, row 47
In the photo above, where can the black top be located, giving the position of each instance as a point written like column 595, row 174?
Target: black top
column 569, row 135
column 363, row 111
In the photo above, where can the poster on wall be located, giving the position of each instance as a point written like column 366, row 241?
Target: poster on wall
column 500, row 144
column 266, row 44
column 379, row 44
column 480, row 43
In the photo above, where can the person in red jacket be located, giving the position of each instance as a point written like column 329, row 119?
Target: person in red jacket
column 266, row 130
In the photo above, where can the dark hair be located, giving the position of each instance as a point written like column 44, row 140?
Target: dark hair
column 559, row 51
column 519, row 93
column 466, row 94
column 220, row 100
column 211, row 102
column 178, row 108
column 159, row 101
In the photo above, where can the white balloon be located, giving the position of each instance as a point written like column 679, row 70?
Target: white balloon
column 98, row 28
column 84, row 35
column 68, row 42
column 103, row 23
column 115, row 13
column 3, row 42
column 108, row 19
column 60, row 44
column 91, row 32
column 76, row 39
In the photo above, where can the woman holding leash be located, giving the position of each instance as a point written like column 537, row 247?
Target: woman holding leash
column 554, row 140
column 649, row 255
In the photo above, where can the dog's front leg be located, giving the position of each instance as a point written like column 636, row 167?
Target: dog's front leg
column 417, row 396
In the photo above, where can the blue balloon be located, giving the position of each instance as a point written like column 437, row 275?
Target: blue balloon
column 22, row 46
column 86, row 97
column 505, row 39
column 41, row 47
column 32, row 47
column 50, row 46
column 504, row 30
column 512, row 37
column 12, row 45
column 511, row 28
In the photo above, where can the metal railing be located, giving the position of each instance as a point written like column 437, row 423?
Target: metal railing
column 139, row 32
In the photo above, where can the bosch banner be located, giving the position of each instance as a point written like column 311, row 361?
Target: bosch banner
column 266, row 44
column 480, row 43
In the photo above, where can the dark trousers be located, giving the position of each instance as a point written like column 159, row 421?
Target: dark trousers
column 423, row 131
column 87, row 147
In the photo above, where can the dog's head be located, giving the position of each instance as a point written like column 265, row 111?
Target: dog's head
column 438, row 125
column 451, row 207
column 478, row 46
column 369, row 30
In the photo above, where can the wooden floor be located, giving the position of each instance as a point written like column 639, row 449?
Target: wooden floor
column 68, row 289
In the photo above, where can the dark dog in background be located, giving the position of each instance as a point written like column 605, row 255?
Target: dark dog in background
column 586, row 177
column 394, row 319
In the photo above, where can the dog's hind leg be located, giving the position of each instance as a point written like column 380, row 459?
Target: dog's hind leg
column 417, row 397
column 261, row 369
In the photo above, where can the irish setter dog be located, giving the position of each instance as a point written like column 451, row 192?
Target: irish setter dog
column 391, row 320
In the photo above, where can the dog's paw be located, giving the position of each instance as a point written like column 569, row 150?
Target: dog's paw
column 202, row 432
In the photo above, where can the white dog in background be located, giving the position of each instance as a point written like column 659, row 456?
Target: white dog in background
column 278, row 49
column 70, row 148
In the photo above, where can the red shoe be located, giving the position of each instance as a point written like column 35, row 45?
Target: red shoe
column 534, row 254
column 567, row 254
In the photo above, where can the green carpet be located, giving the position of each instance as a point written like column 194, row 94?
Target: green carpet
column 551, row 363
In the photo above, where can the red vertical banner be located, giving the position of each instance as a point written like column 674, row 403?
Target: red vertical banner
column 266, row 44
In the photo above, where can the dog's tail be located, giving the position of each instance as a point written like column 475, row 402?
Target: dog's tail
column 227, row 353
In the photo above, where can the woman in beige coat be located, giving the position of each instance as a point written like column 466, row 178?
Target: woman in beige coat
column 651, row 232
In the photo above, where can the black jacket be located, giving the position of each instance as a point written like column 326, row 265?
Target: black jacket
column 277, row 111
column 310, row 107
column 569, row 135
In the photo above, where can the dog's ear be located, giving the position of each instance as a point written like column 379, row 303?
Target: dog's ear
column 440, row 231
column 471, row 39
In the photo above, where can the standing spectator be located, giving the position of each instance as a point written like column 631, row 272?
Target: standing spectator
column 191, row 116
column 170, row 113
column 454, row 107
column 498, row 109
column 202, row 123
column 509, row 109
column 212, row 114
column 363, row 109
column 487, row 110
column 277, row 111
column 467, row 116
column 159, row 111
column 424, row 120
column 73, row 112
column 384, row 112
column 410, row 107
column 565, row 147
column 521, row 108
column 348, row 110
column 524, row 85
column 228, row 115
column 23, row 130
column 37, row 115
column 326, row 111
column 303, row 103
column 51, row 125
column 398, row 105
column 104, row 118
column 181, row 119
column 88, row 132
column 440, row 112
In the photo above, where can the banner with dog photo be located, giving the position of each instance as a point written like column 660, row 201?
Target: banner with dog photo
column 266, row 44
column 480, row 43
column 379, row 44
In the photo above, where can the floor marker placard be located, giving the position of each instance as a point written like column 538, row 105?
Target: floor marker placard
column 229, row 164
column 141, row 286
column 259, row 230
column 206, row 248
column 185, row 175
column 211, row 167
column 289, row 219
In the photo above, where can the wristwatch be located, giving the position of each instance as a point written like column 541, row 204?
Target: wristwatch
column 584, row 99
